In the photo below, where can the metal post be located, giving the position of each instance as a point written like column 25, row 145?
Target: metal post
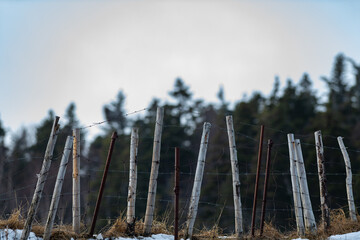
column 257, row 180
column 98, row 201
column 177, row 192
column 267, row 171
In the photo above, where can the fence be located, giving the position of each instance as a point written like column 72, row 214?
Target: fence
column 215, row 206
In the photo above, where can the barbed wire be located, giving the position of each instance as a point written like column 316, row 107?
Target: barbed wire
column 279, row 147
column 112, row 119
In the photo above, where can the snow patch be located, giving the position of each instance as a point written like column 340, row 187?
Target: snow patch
column 10, row 234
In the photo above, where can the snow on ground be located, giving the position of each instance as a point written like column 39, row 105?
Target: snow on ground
column 10, row 234
column 354, row 235
column 153, row 237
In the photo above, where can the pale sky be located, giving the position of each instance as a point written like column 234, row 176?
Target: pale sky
column 56, row 52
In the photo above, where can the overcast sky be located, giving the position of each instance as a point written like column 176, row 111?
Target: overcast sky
column 56, row 52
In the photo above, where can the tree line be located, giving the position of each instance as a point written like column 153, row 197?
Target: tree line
column 292, row 108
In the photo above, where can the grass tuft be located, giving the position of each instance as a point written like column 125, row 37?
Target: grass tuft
column 340, row 224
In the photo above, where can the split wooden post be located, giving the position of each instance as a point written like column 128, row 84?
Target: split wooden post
column 130, row 215
column 41, row 179
column 257, row 181
column 295, row 186
column 102, row 185
column 76, row 182
column 309, row 219
column 235, row 177
column 195, row 195
column 150, row 205
column 349, row 191
column 325, row 210
column 57, row 190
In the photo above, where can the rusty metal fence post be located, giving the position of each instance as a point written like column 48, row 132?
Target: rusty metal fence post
column 101, row 191
column 257, row 180
column 177, row 193
column 267, row 171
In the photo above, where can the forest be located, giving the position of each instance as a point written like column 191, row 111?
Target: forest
column 291, row 108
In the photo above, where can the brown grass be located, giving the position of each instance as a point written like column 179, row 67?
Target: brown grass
column 340, row 224
column 119, row 228
column 16, row 221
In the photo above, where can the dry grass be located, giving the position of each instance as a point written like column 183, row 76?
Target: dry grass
column 213, row 233
column 119, row 228
column 16, row 221
column 340, row 224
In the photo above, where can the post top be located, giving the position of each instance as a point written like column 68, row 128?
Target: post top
column 114, row 135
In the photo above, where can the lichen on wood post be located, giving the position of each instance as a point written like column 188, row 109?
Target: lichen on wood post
column 130, row 215
column 349, row 190
column 150, row 205
column 295, row 186
column 325, row 210
column 235, row 177
column 309, row 219
column 41, row 179
column 76, row 181
column 195, row 195
column 57, row 189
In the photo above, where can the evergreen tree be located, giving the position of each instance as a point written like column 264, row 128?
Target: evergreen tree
column 115, row 114
column 3, row 152
column 338, row 88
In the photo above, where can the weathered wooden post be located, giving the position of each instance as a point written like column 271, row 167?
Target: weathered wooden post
column 57, row 190
column 130, row 215
column 235, row 177
column 257, row 181
column 150, row 205
column 195, row 195
column 102, row 185
column 76, row 181
column 309, row 219
column 349, row 190
column 295, row 186
column 42, row 179
column 325, row 210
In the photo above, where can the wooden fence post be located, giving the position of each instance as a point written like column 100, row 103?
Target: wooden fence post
column 309, row 219
column 57, row 190
column 76, row 181
column 42, row 179
column 150, row 205
column 130, row 215
column 235, row 177
column 295, row 186
column 325, row 211
column 349, row 190
column 195, row 195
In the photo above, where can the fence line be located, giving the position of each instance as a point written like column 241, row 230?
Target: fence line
column 275, row 173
